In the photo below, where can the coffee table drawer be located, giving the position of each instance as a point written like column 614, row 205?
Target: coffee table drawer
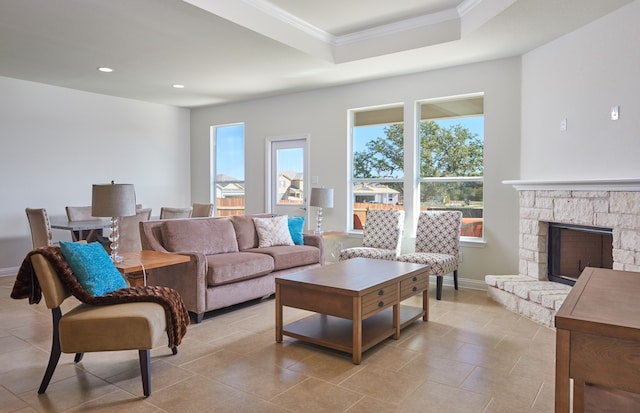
column 379, row 299
column 411, row 286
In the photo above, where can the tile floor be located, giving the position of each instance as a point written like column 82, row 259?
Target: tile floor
column 472, row 356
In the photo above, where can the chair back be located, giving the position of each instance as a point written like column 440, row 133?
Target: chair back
column 172, row 213
column 439, row 232
column 202, row 210
column 383, row 229
column 129, row 228
column 52, row 289
column 40, row 226
column 79, row 213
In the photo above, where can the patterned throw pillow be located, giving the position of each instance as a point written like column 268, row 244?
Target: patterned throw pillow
column 273, row 231
column 296, row 226
column 93, row 267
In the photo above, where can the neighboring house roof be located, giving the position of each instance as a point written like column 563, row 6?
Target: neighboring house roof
column 373, row 189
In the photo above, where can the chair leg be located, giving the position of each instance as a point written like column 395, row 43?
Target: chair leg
column 55, row 351
column 455, row 279
column 145, row 371
column 438, row 287
column 174, row 350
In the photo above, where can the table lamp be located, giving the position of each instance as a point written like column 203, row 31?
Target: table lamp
column 113, row 200
column 321, row 198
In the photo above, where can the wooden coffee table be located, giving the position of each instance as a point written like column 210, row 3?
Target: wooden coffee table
column 357, row 302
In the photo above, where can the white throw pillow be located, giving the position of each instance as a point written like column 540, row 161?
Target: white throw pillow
column 273, row 231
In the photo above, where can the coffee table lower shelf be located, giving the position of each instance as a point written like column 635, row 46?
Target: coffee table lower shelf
column 337, row 333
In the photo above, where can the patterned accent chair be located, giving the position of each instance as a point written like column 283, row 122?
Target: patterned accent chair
column 437, row 244
column 382, row 236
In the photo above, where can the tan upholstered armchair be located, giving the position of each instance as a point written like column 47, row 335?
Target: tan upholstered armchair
column 86, row 328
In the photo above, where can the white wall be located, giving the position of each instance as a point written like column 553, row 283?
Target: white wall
column 57, row 142
column 579, row 77
column 323, row 114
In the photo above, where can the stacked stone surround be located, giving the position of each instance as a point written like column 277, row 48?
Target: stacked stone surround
column 611, row 204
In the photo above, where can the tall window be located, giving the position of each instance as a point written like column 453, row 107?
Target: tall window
column 449, row 164
column 378, row 164
column 451, row 142
column 227, row 169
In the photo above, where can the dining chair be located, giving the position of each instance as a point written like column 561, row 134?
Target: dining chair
column 382, row 236
column 87, row 328
column 437, row 245
column 172, row 213
column 41, row 235
column 202, row 210
column 129, row 228
column 82, row 213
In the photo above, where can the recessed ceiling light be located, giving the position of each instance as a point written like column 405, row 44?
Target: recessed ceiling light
column 105, row 69
column 178, row 86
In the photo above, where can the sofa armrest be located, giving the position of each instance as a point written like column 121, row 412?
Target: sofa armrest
column 189, row 279
column 315, row 241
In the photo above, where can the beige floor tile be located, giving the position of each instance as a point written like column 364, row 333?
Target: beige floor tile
column 369, row 404
column 382, row 384
column 328, row 366
column 317, row 396
column 200, row 394
column 117, row 402
column 438, row 369
column 162, row 375
column 433, row 397
column 499, row 384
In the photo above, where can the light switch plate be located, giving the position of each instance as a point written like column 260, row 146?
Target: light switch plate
column 615, row 112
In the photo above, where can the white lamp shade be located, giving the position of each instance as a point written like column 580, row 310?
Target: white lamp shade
column 113, row 200
column 321, row 197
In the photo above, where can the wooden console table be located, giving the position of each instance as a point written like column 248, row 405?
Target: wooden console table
column 135, row 263
column 598, row 343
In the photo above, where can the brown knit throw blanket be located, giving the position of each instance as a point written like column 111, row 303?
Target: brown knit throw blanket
column 27, row 286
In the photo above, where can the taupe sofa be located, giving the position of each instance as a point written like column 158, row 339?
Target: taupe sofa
column 226, row 265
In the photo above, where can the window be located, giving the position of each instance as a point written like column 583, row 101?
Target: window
column 451, row 142
column 377, row 163
column 449, row 164
column 227, row 167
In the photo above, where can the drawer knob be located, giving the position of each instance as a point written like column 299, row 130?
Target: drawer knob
column 415, row 279
column 415, row 289
column 381, row 292
column 380, row 303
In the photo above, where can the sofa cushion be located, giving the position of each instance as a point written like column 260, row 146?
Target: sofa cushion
column 246, row 233
column 273, row 231
column 286, row 256
column 206, row 236
column 237, row 266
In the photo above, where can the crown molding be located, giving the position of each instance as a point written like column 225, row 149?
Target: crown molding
column 267, row 19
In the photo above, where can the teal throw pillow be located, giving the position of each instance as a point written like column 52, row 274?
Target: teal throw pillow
column 93, row 267
column 296, row 226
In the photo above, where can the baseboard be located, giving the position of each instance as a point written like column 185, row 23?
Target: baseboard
column 462, row 283
column 9, row 271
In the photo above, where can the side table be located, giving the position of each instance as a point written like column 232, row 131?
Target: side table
column 333, row 244
column 136, row 263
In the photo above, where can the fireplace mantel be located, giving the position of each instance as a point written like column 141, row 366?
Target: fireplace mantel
column 632, row 184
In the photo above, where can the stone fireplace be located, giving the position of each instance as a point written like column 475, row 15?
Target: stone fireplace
column 607, row 204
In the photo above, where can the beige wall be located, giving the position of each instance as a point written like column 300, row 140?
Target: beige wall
column 579, row 77
column 57, row 142
column 323, row 115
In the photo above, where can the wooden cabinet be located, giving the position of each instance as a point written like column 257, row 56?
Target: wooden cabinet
column 598, row 343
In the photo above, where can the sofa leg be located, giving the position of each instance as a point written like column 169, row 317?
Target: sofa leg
column 439, row 287
column 197, row 317
column 455, row 279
